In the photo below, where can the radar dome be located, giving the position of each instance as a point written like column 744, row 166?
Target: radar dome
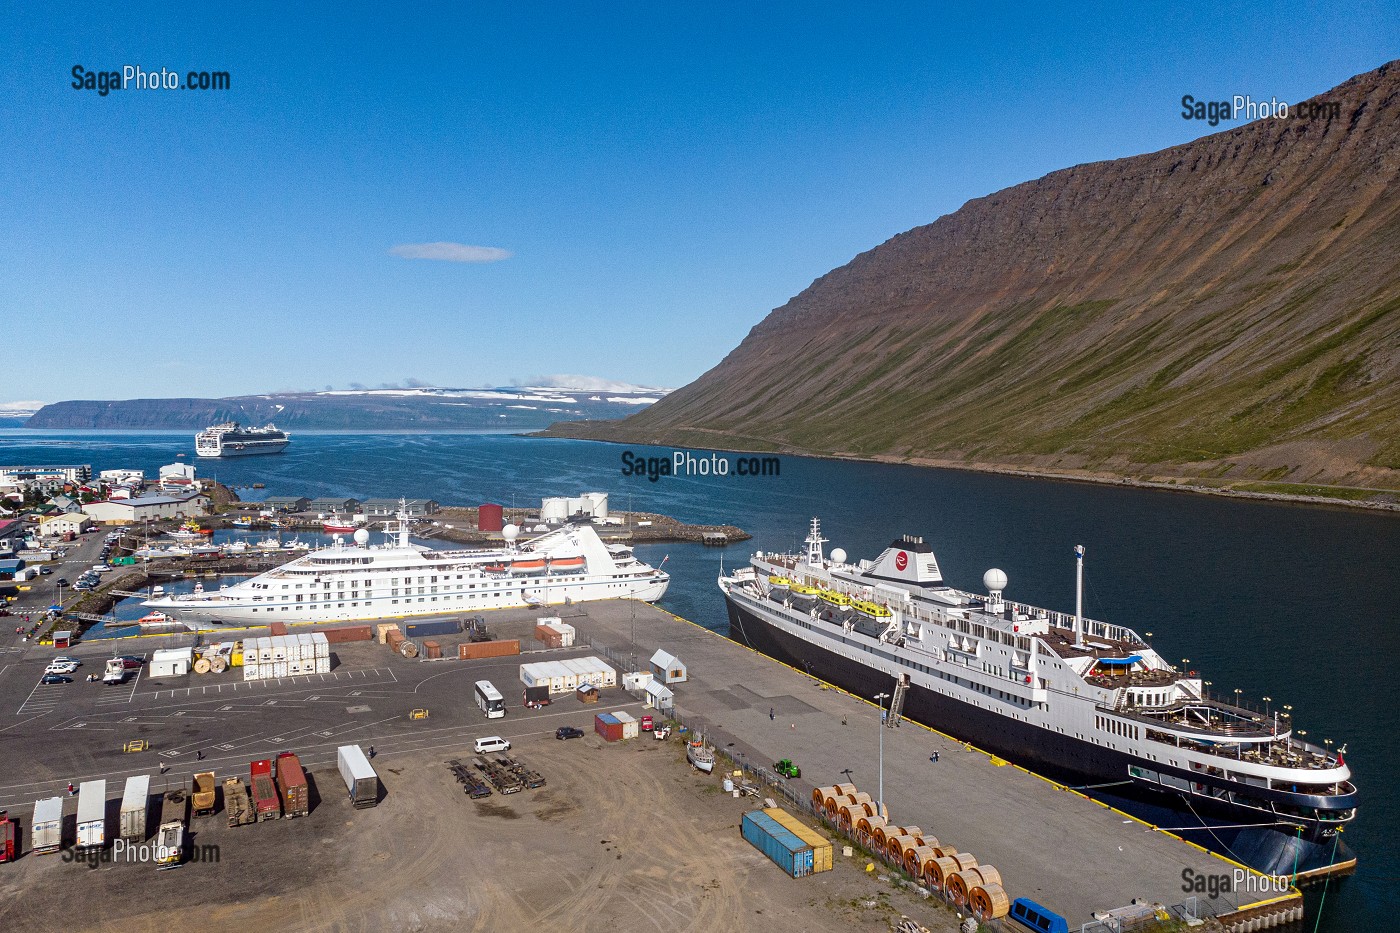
column 510, row 532
column 838, row 555
column 994, row 580
column 362, row 536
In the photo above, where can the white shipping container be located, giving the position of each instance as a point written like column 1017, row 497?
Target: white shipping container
column 279, row 648
column 279, row 668
column 308, row 647
column 135, row 801
column 46, row 830
column 252, row 671
column 630, row 728
column 323, row 665
column 264, row 648
column 322, row 644
column 92, row 814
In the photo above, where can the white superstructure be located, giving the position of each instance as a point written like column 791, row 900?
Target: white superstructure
column 232, row 440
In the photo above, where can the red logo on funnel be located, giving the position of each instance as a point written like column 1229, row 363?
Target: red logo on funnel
column 901, row 560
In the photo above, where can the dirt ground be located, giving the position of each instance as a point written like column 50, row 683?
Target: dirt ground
column 624, row 837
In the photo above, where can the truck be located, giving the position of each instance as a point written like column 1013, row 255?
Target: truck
column 115, row 672
column 203, row 798
column 361, row 783
column 291, row 783
column 135, row 803
column 92, row 814
column 236, row 803
column 46, row 832
column 265, row 801
column 170, row 837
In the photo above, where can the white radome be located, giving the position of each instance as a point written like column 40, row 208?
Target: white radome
column 994, row 580
column 362, row 536
column 838, row 555
column 510, row 532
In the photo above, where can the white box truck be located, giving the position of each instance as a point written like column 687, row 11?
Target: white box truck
column 92, row 814
column 135, row 804
column 46, row 833
column 361, row 783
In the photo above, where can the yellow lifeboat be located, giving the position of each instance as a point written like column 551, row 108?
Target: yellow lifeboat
column 840, row 600
column 873, row 610
column 779, row 581
column 801, row 590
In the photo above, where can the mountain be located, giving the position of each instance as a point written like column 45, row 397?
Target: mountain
column 517, row 407
column 1228, row 309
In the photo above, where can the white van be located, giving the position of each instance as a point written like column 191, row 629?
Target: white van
column 492, row 743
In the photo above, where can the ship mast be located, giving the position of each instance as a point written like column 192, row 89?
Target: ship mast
column 1079, row 596
column 815, row 542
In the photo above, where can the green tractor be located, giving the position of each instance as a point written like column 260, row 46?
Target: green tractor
column 787, row 769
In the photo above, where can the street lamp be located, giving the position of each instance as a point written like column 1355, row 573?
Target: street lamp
column 881, row 698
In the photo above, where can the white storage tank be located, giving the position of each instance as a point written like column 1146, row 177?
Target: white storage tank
column 598, row 504
column 554, row 509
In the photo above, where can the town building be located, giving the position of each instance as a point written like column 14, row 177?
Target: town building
column 74, row 523
column 147, row 508
column 328, row 504
column 416, row 508
column 286, row 503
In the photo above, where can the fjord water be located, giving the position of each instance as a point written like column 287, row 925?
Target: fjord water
column 1291, row 602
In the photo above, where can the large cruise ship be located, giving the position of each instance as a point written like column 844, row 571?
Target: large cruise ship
column 1083, row 701
column 361, row 582
column 232, row 440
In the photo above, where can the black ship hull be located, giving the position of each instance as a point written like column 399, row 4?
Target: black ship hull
column 1060, row 757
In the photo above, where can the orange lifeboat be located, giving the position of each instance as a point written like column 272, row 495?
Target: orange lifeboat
column 527, row 565
column 566, row 563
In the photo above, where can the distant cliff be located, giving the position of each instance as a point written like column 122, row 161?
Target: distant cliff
column 449, row 409
column 1228, row 308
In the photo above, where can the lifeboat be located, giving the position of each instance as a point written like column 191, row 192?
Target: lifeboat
column 494, row 568
column 527, row 565
column 839, row 600
column 799, row 590
column 874, row 610
column 779, row 581
column 566, row 563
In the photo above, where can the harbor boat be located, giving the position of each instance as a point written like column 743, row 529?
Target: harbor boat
column 700, row 755
column 1083, row 701
column 189, row 531
column 335, row 525
column 230, row 439
column 242, row 521
column 363, row 582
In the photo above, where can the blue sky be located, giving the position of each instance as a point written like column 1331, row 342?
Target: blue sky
column 660, row 176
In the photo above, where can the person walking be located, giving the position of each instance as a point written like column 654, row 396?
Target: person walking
column 71, row 790
column 770, row 714
column 371, row 751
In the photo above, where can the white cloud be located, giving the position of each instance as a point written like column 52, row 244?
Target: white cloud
column 450, row 252
column 20, row 408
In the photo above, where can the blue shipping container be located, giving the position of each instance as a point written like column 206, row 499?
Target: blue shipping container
column 777, row 842
column 425, row 629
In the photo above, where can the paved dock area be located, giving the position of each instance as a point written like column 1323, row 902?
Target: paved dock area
column 1054, row 846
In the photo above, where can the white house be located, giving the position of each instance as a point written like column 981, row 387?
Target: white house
column 177, row 477
column 66, row 523
column 667, row 668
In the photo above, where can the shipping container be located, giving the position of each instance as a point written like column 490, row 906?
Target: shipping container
column 437, row 627
column 204, row 796
column 265, row 799
column 291, row 781
column 237, row 804
column 776, row 841
column 135, row 805
column 821, row 846
column 321, row 644
column 432, row 650
column 361, row 783
column 336, row 636
column 630, row 727
column 46, row 831
column 489, row 649
column 382, row 630
column 278, row 628
column 7, row 837
column 92, row 814
column 608, row 726
column 548, row 636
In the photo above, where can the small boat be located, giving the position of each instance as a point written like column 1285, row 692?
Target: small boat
column 244, row 522
column 335, row 525
column 527, row 565
column 566, row 563
column 700, row 756
column 154, row 618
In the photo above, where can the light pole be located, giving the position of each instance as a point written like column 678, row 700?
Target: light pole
column 881, row 698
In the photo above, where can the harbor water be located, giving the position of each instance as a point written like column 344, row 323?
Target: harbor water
column 1294, row 603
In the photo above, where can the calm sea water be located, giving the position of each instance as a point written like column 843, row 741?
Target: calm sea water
column 1295, row 603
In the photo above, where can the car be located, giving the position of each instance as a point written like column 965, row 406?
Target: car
column 62, row 659
column 492, row 743
column 57, row 668
column 568, row 732
column 46, row 569
column 55, row 679
column 100, row 568
column 647, row 724
column 130, row 662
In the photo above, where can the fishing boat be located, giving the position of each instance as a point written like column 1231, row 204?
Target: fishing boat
column 700, row 755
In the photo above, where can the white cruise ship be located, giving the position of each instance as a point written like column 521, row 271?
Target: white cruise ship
column 232, row 440
column 1084, row 701
column 360, row 582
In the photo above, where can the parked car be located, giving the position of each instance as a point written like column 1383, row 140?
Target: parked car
column 130, row 662
column 56, row 668
column 46, row 569
column 568, row 732
column 62, row 659
column 492, row 743
column 647, row 724
column 55, row 679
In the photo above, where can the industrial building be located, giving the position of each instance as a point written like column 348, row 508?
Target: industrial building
column 590, row 506
column 144, row 508
column 328, row 504
column 416, row 508
column 286, row 503
column 74, row 523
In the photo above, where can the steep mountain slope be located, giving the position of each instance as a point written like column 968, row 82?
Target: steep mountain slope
column 1228, row 307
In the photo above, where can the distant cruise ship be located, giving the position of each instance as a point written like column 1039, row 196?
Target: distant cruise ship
column 397, row 579
column 232, row 440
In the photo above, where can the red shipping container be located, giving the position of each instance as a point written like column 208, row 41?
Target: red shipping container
column 489, row 649
column 432, row 649
column 291, row 782
column 278, row 628
column 551, row 637
column 265, row 799
column 608, row 727
column 335, row 636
